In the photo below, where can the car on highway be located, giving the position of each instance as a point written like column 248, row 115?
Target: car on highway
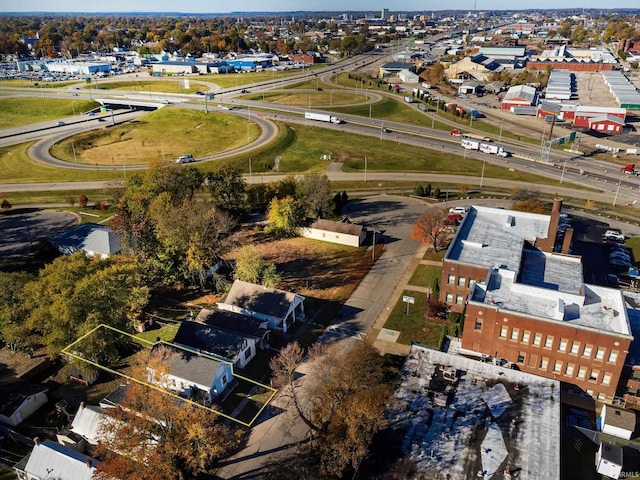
column 244, row 90
column 60, row 124
column 188, row 158
column 199, row 93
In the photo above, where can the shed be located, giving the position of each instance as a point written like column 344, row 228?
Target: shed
column 19, row 400
column 618, row 422
column 49, row 460
column 609, row 460
column 606, row 124
column 343, row 232
column 278, row 307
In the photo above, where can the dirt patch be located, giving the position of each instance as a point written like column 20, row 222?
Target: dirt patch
column 325, row 273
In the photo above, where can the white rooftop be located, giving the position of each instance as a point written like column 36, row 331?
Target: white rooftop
column 52, row 460
column 88, row 422
column 592, row 306
column 493, row 236
column 496, row 418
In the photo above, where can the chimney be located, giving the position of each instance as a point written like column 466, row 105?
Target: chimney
column 36, row 440
column 89, row 463
column 547, row 244
column 566, row 243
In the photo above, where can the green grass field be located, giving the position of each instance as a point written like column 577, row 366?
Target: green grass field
column 15, row 112
column 414, row 327
column 425, row 276
column 313, row 99
column 169, row 85
column 164, row 134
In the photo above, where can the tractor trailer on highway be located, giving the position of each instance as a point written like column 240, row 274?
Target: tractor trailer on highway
column 321, row 117
column 484, row 147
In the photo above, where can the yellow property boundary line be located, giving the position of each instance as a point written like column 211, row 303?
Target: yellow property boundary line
column 68, row 351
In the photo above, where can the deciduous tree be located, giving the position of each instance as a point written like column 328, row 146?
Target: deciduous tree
column 153, row 436
column 227, row 188
column 74, row 294
column 430, row 228
column 284, row 217
column 314, row 193
column 341, row 400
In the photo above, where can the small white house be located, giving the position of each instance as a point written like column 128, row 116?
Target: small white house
column 19, row 400
column 190, row 374
column 609, row 460
column 93, row 239
column 618, row 422
column 50, row 460
column 344, row 233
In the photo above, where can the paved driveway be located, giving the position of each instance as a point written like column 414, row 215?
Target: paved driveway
column 23, row 228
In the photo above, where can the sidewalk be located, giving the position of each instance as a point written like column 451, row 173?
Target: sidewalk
column 386, row 346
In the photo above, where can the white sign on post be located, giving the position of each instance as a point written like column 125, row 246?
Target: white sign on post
column 409, row 301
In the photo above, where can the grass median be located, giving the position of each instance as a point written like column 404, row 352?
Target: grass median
column 15, row 112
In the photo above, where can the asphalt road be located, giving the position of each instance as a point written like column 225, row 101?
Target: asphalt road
column 393, row 218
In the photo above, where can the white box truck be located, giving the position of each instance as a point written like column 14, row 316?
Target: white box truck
column 492, row 149
column 470, row 144
column 321, row 117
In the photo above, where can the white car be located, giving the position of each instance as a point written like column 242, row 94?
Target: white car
column 614, row 235
column 185, row 158
column 457, row 210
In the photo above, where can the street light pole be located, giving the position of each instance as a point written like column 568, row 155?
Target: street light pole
column 615, row 198
column 365, row 169
column 500, row 137
column 563, row 169
column 484, row 161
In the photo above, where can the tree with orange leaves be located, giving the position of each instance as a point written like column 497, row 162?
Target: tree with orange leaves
column 154, row 436
column 430, row 227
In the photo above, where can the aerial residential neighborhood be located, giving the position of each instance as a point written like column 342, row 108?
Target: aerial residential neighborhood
column 320, row 241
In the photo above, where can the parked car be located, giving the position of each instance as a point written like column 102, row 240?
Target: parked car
column 614, row 235
column 458, row 210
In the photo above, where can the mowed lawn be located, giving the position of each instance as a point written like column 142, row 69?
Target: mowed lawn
column 15, row 112
column 164, row 134
column 161, row 85
column 312, row 100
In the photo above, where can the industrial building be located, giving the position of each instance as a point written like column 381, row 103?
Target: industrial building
column 526, row 303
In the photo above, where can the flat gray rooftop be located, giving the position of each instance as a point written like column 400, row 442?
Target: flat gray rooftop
column 591, row 306
column 493, row 236
column 487, row 420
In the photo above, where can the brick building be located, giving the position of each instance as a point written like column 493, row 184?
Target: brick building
column 525, row 301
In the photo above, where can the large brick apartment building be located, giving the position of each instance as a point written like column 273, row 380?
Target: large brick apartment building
column 528, row 305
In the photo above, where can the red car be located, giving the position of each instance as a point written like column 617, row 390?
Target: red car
column 455, row 132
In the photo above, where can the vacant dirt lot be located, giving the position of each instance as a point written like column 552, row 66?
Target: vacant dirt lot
column 323, row 272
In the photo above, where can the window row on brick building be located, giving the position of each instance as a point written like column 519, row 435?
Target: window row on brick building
column 564, row 346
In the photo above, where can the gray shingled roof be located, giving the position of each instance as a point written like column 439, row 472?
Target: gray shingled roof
column 260, row 299
column 338, row 227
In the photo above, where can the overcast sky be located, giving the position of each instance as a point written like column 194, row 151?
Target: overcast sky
column 209, row 6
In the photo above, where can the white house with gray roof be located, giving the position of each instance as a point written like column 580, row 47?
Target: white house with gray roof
column 343, row 232
column 278, row 307
column 51, row 461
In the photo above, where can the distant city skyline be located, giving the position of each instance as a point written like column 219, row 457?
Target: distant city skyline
column 206, row 6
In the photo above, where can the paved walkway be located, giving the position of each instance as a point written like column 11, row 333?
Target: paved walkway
column 374, row 336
